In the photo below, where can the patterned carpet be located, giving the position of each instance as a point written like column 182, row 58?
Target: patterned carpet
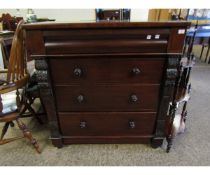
column 191, row 148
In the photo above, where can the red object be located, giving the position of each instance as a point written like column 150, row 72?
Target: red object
column 9, row 22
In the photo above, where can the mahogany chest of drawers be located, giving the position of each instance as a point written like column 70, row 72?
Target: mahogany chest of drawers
column 106, row 82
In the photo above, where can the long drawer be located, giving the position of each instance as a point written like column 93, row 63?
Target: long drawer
column 107, row 98
column 106, row 69
column 107, row 124
column 106, row 41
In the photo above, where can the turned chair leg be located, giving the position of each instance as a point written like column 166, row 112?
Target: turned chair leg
column 27, row 134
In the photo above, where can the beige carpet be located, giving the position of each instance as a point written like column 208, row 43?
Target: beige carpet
column 191, row 148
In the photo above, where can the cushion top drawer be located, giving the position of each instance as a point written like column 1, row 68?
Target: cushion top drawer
column 106, row 41
column 107, row 124
column 106, row 70
column 107, row 98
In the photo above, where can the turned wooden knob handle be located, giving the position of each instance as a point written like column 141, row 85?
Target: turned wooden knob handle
column 133, row 98
column 132, row 124
column 136, row 71
column 80, row 98
column 83, row 124
column 78, row 72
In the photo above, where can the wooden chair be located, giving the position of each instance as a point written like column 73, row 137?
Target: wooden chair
column 12, row 103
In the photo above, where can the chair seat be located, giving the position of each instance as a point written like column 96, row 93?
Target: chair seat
column 8, row 103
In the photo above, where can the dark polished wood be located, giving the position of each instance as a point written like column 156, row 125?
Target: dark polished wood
column 105, row 24
column 107, row 124
column 114, row 98
column 106, row 82
column 49, row 104
column 86, row 70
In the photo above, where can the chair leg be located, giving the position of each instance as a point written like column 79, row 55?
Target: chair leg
column 4, row 141
column 202, row 52
column 27, row 134
column 27, row 102
column 207, row 53
column 11, row 124
column 31, row 110
column 4, row 130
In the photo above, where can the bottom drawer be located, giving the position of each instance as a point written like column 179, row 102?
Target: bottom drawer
column 107, row 123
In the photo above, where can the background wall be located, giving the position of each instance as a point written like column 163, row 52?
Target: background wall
column 58, row 14
column 139, row 14
column 73, row 14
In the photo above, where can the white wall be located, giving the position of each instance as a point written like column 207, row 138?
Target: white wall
column 139, row 14
column 58, row 14
column 67, row 14
column 74, row 14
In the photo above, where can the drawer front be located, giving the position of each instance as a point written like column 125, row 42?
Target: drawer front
column 100, row 70
column 107, row 124
column 107, row 98
column 106, row 41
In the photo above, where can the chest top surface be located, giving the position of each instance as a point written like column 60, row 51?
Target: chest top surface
column 103, row 24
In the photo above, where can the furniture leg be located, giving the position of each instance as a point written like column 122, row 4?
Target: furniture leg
column 170, row 142
column 48, row 101
column 18, row 99
column 202, row 52
column 31, row 110
column 156, row 142
column 170, row 137
column 187, row 42
column 27, row 102
column 4, row 141
column 4, row 130
column 207, row 53
column 27, row 134
column 12, row 124
column 30, row 100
